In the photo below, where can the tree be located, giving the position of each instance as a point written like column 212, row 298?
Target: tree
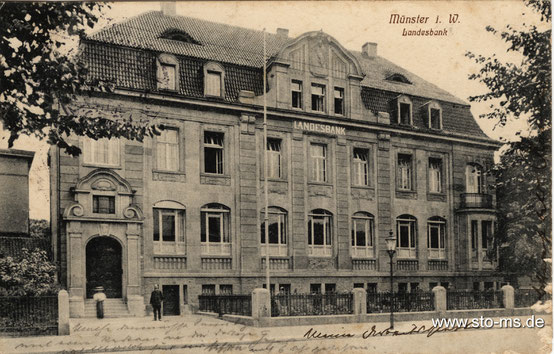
column 42, row 75
column 31, row 274
column 523, row 91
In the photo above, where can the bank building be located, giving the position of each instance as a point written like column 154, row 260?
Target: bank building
column 357, row 148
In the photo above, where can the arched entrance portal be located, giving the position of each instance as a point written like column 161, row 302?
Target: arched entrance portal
column 104, row 266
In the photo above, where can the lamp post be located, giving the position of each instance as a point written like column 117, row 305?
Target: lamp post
column 391, row 250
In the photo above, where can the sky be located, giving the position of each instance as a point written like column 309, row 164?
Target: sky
column 439, row 60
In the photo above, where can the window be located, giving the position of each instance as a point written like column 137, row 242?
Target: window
column 474, row 237
column 284, row 289
column 213, row 152
column 339, row 101
column 208, row 289
column 315, row 288
column 404, row 172
column 277, row 232
column 358, row 285
column 489, row 285
column 432, row 285
column 330, row 288
column 486, row 234
column 166, row 80
column 436, row 239
column 406, row 239
column 169, row 231
column 435, row 175
column 103, row 204
column 371, row 287
column 167, row 150
column 319, row 233
column 362, row 235
column 402, row 287
column 318, row 98
column 185, row 294
column 167, row 73
column 445, row 284
column 215, row 236
column 414, row 287
column 435, row 118
column 474, row 179
column 361, row 167
column 213, row 83
column 225, row 289
column 101, row 151
column 273, row 158
column 318, row 154
column 405, row 113
column 296, row 89
column 476, row 286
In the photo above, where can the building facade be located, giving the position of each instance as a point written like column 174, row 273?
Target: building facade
column 357, row 148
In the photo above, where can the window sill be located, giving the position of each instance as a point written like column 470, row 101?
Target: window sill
column 436, row 197
column 314, row 183
column 406, row 194
column 173, row 255
column 356, row 186
column 93, row 165
column 273, row 179
column 168, row 176
column 216, row 179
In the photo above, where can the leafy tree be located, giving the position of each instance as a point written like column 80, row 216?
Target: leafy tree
column 31, row 274
column 39, row 228
column 42, row 75
column 523, row 91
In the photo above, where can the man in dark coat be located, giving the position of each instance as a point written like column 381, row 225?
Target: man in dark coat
column 156, row 299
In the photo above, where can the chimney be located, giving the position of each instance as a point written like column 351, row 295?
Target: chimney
column 169, row 8
column 370, row 49
column 283, row 32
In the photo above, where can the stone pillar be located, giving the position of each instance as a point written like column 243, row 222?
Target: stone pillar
column 440, row 298
column 261, row 303
column 63, row 313
column 359, row 301
column 508, row 296
column 76, row 261
column 135, row 301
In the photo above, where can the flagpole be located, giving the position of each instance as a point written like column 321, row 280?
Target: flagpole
column 266, row 197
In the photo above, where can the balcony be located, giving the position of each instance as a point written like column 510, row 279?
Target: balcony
column 476, row 200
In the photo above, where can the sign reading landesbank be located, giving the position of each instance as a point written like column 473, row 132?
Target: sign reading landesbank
column 320, row 128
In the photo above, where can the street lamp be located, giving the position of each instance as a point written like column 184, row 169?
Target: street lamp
column 391, row 250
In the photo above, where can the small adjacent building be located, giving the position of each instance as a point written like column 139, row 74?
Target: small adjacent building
column 358, row 147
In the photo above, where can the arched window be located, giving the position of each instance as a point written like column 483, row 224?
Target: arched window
column 362, row 235
column 215, row 235
column 320, row 233
column 406, row 240
column 474, row 178
column 277, row 232
column 436, row 237
column 168, row 227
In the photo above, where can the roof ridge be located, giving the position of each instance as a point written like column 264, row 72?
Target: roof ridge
column 124, row 21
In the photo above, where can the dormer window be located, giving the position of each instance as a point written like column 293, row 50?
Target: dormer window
column 434, row 114
column 178, row 35
column 404, row 108
column 399, row 78
column 214, row 77
column 168, row 73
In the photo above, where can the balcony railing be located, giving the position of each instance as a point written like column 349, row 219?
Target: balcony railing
column 476, row 200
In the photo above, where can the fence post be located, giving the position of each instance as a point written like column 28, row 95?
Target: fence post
column 440, row 299
column 508, row 296
column 261, row 304
column 63, row 313
column 360, row 304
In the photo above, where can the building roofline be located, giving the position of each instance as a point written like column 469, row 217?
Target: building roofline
column 18, row 153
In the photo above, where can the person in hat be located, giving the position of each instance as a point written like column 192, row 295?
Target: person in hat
column 99, row 297
column 156, row 299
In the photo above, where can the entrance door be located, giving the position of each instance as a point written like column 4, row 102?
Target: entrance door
column 104, row 266
column 171, row 300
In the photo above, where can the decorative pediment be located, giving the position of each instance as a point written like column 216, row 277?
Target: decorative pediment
column 319, row 53
column 103, row 180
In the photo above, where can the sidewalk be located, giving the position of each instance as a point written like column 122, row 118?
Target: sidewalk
column 195, row 334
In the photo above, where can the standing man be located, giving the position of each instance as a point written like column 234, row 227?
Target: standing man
column 156, row 299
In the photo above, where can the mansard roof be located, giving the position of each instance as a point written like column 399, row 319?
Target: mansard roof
column 136, row 42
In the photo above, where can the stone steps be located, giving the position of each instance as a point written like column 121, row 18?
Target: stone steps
column 112, row 308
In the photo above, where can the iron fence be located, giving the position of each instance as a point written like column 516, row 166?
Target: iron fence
column 469, row 300
column 400, row 302
column 311, row 304
column 27, row 315
column 527, row 297
column 226, row 304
